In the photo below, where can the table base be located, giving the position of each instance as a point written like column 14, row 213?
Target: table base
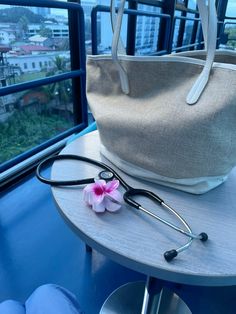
column 133, row 298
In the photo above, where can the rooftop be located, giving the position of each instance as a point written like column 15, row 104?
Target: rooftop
column 37, row 38
column 27, row 49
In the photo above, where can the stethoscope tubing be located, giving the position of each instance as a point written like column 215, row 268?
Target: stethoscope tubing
column 75, row 182
column 130, row 191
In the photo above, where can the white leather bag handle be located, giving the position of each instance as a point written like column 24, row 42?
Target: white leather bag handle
column 115, row 45
column 121, row 47
column 203, row 12
column 208, row 16
column 209, row 26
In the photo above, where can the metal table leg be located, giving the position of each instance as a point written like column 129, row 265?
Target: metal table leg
column 160, row 300
column 141, row 298
column 126, row 299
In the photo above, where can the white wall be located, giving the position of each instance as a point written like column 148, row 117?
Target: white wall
column 6, row 37
column 35, row 63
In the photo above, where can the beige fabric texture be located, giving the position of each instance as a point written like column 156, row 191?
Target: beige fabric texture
column 221, row 56
column 154, row 128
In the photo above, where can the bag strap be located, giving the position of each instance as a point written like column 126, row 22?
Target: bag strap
column 115, row 44
column 203, row 12
column 209, row 16
column 209, row 25
column 121, row 47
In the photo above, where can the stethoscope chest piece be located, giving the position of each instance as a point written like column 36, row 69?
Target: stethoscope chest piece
column 106, row 175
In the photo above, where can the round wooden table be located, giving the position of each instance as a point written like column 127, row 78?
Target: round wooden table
column 137, row 241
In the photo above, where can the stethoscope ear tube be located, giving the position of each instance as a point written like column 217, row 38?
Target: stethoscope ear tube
column 105, row 174
column 51, row 159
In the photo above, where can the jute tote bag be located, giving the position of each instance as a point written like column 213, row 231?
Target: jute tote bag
column 170, row 119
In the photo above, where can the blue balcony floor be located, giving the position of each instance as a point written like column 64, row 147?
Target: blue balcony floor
column 37, row 247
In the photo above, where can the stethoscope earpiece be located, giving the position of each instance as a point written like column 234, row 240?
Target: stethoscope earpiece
column 169, row 255
column 204, row 236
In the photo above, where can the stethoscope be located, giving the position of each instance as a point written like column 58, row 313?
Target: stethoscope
column 108, row 174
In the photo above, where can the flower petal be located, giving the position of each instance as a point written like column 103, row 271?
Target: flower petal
column 101, row 196
column 100, row 182
column 110, row 205
column 92, row 198
column 99, row 208
column 87, row 194
column 116, row 195
column 111, row 186
column 94, row 192
column 89, row 187
column 97, row 199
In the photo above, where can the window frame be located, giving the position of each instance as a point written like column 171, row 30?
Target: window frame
column 14, row 167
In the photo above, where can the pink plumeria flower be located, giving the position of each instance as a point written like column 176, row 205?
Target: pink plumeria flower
column 103, row 195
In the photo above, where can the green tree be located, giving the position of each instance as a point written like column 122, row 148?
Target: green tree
column 63, row 44
column 60, row 64
column 61, row 90
column 26, row 129
column 14, row 14
column 23, row 26
column 231, row 32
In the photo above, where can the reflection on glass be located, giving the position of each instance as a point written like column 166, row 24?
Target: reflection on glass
column 192, row 4
column 231, row 8
column 176, row 33
column 188, row 33
column 29, row 118
column 104, row 35
column 228, row 39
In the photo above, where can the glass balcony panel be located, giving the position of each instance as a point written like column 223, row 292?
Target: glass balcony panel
column 231, row 9
column 176, row 31
column 192, row 4
column 188, row 33
column 228, row 39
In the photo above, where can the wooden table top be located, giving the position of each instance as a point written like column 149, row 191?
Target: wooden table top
column 137, row 241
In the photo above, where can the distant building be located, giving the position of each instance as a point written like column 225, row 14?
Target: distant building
column 33, row 49
column 7, row 104
column 6, row 76
column 36, row 62
column 58, row 30
column 7, row 36
column 147, row 30
column 6, row 71
column 38, row 40
column 87, row 6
